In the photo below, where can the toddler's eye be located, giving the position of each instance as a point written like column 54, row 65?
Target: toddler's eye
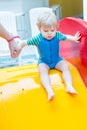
column 45, row 31
column 52, row 30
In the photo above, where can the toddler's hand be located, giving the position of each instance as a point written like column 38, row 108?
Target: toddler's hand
column 18, row 44
column 77, row 37
column 15, row 47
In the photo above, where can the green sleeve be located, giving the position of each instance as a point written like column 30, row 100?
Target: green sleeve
column 34, row 40
column 61, row 36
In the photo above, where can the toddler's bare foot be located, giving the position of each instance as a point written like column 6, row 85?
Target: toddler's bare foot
column 50, row 96
column 71, row 90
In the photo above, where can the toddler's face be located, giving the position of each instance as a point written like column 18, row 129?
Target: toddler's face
column 48, row 32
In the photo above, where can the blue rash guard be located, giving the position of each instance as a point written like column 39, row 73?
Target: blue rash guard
column 48, row 49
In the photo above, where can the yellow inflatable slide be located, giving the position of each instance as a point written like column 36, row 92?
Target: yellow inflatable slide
column 24, row 105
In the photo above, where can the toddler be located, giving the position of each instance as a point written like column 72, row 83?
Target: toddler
column 47, row 43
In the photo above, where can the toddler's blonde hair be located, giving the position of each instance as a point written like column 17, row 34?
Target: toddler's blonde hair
column 47, row 18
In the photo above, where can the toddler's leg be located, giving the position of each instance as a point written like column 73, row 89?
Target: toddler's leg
column 63, row 66
column 44, row 77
